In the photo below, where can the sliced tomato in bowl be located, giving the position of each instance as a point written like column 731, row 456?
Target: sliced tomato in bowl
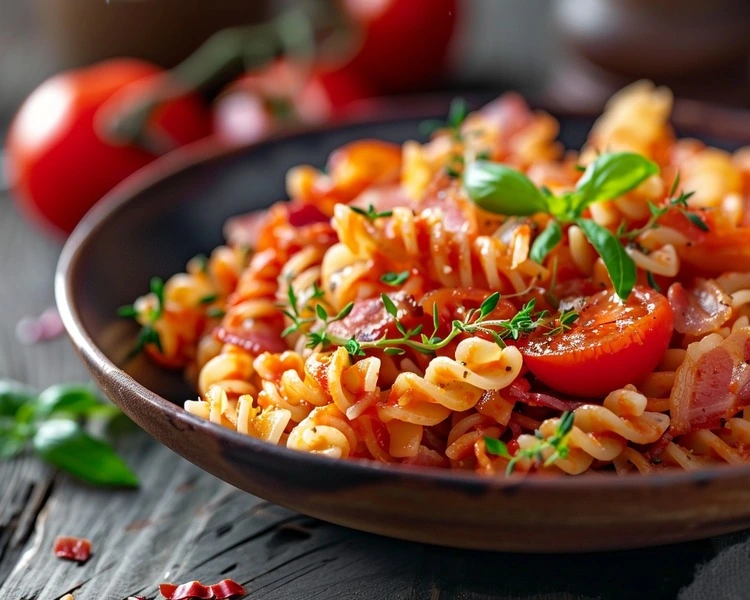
column 613, row 343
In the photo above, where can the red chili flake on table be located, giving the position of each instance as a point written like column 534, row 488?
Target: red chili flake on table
column 191, row 589
column 72, row 548
column 47, row 326
column 227, row 588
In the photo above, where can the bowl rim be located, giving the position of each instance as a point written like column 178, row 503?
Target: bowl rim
column 211, row 150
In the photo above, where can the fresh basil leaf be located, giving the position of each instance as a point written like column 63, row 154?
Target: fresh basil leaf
column 696, row 220
column 71, row 398
column 26, row 414
column 12, row 440
column 394, row 279
column 458, row 112
column 502, row 190
column 609, row 177
column 64, row 444
column 546, row 241
column 620, row 266
column 13, row 395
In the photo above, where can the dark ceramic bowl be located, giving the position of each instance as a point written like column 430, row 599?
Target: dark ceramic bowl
column 158, row 219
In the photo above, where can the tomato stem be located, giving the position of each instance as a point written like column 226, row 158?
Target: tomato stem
column 303, row 33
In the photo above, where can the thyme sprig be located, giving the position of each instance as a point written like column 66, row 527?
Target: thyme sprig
column 476, row 321
column 457, row 114
column 557, row 442
column 371, row 213
column 679, row 202
column 394, row 279
column 302, row 323
column 147, row 334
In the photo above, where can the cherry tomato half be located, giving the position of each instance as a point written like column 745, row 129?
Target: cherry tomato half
column 613, row 343
column 59, row 162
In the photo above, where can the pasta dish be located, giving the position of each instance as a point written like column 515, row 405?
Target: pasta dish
column 485, row 301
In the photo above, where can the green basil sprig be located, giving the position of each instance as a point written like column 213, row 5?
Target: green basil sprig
column 503, row 190
column 51, row 422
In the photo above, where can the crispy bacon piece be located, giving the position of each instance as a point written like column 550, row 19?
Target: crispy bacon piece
column 426, row 458
column 72, row 548
column 702, row 310
column 457, row 216
column 383, row 198
column 248, row 229
column 655, row 450
column 255, row 342
column 713, row 382
column 509, row 113
column 227, row 588
column 369, row 320
column 520, row 390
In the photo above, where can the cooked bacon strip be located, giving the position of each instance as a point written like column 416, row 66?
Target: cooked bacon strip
column 255, row 342
column 72, row 548
column 383, row 198
column 369, row 320
column 509, row 113
column 227, row 588
column 456, row 214
column 245, row 230
column 426, row 458
column 655, row 450
column 700, row 311
column 519, row 390
column 713, row 382
column 191, row 589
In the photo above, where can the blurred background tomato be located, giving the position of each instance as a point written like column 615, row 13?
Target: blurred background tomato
column 282, row 64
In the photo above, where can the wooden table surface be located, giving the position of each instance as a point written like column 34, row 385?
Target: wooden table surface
column 184, row 524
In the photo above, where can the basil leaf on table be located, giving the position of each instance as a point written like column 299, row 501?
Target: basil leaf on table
column 502, row 190
column 610, row 176
column 12, row 442
column 71, row 398
column 546, row 241
column 13, row 395
column 64, row 444
column 620, row 266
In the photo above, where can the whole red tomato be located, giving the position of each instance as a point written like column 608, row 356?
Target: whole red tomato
column 284, row 94
column 405, row 42
column 60, row 162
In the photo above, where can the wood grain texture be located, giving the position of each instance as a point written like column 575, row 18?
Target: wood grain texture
column 184, row 524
